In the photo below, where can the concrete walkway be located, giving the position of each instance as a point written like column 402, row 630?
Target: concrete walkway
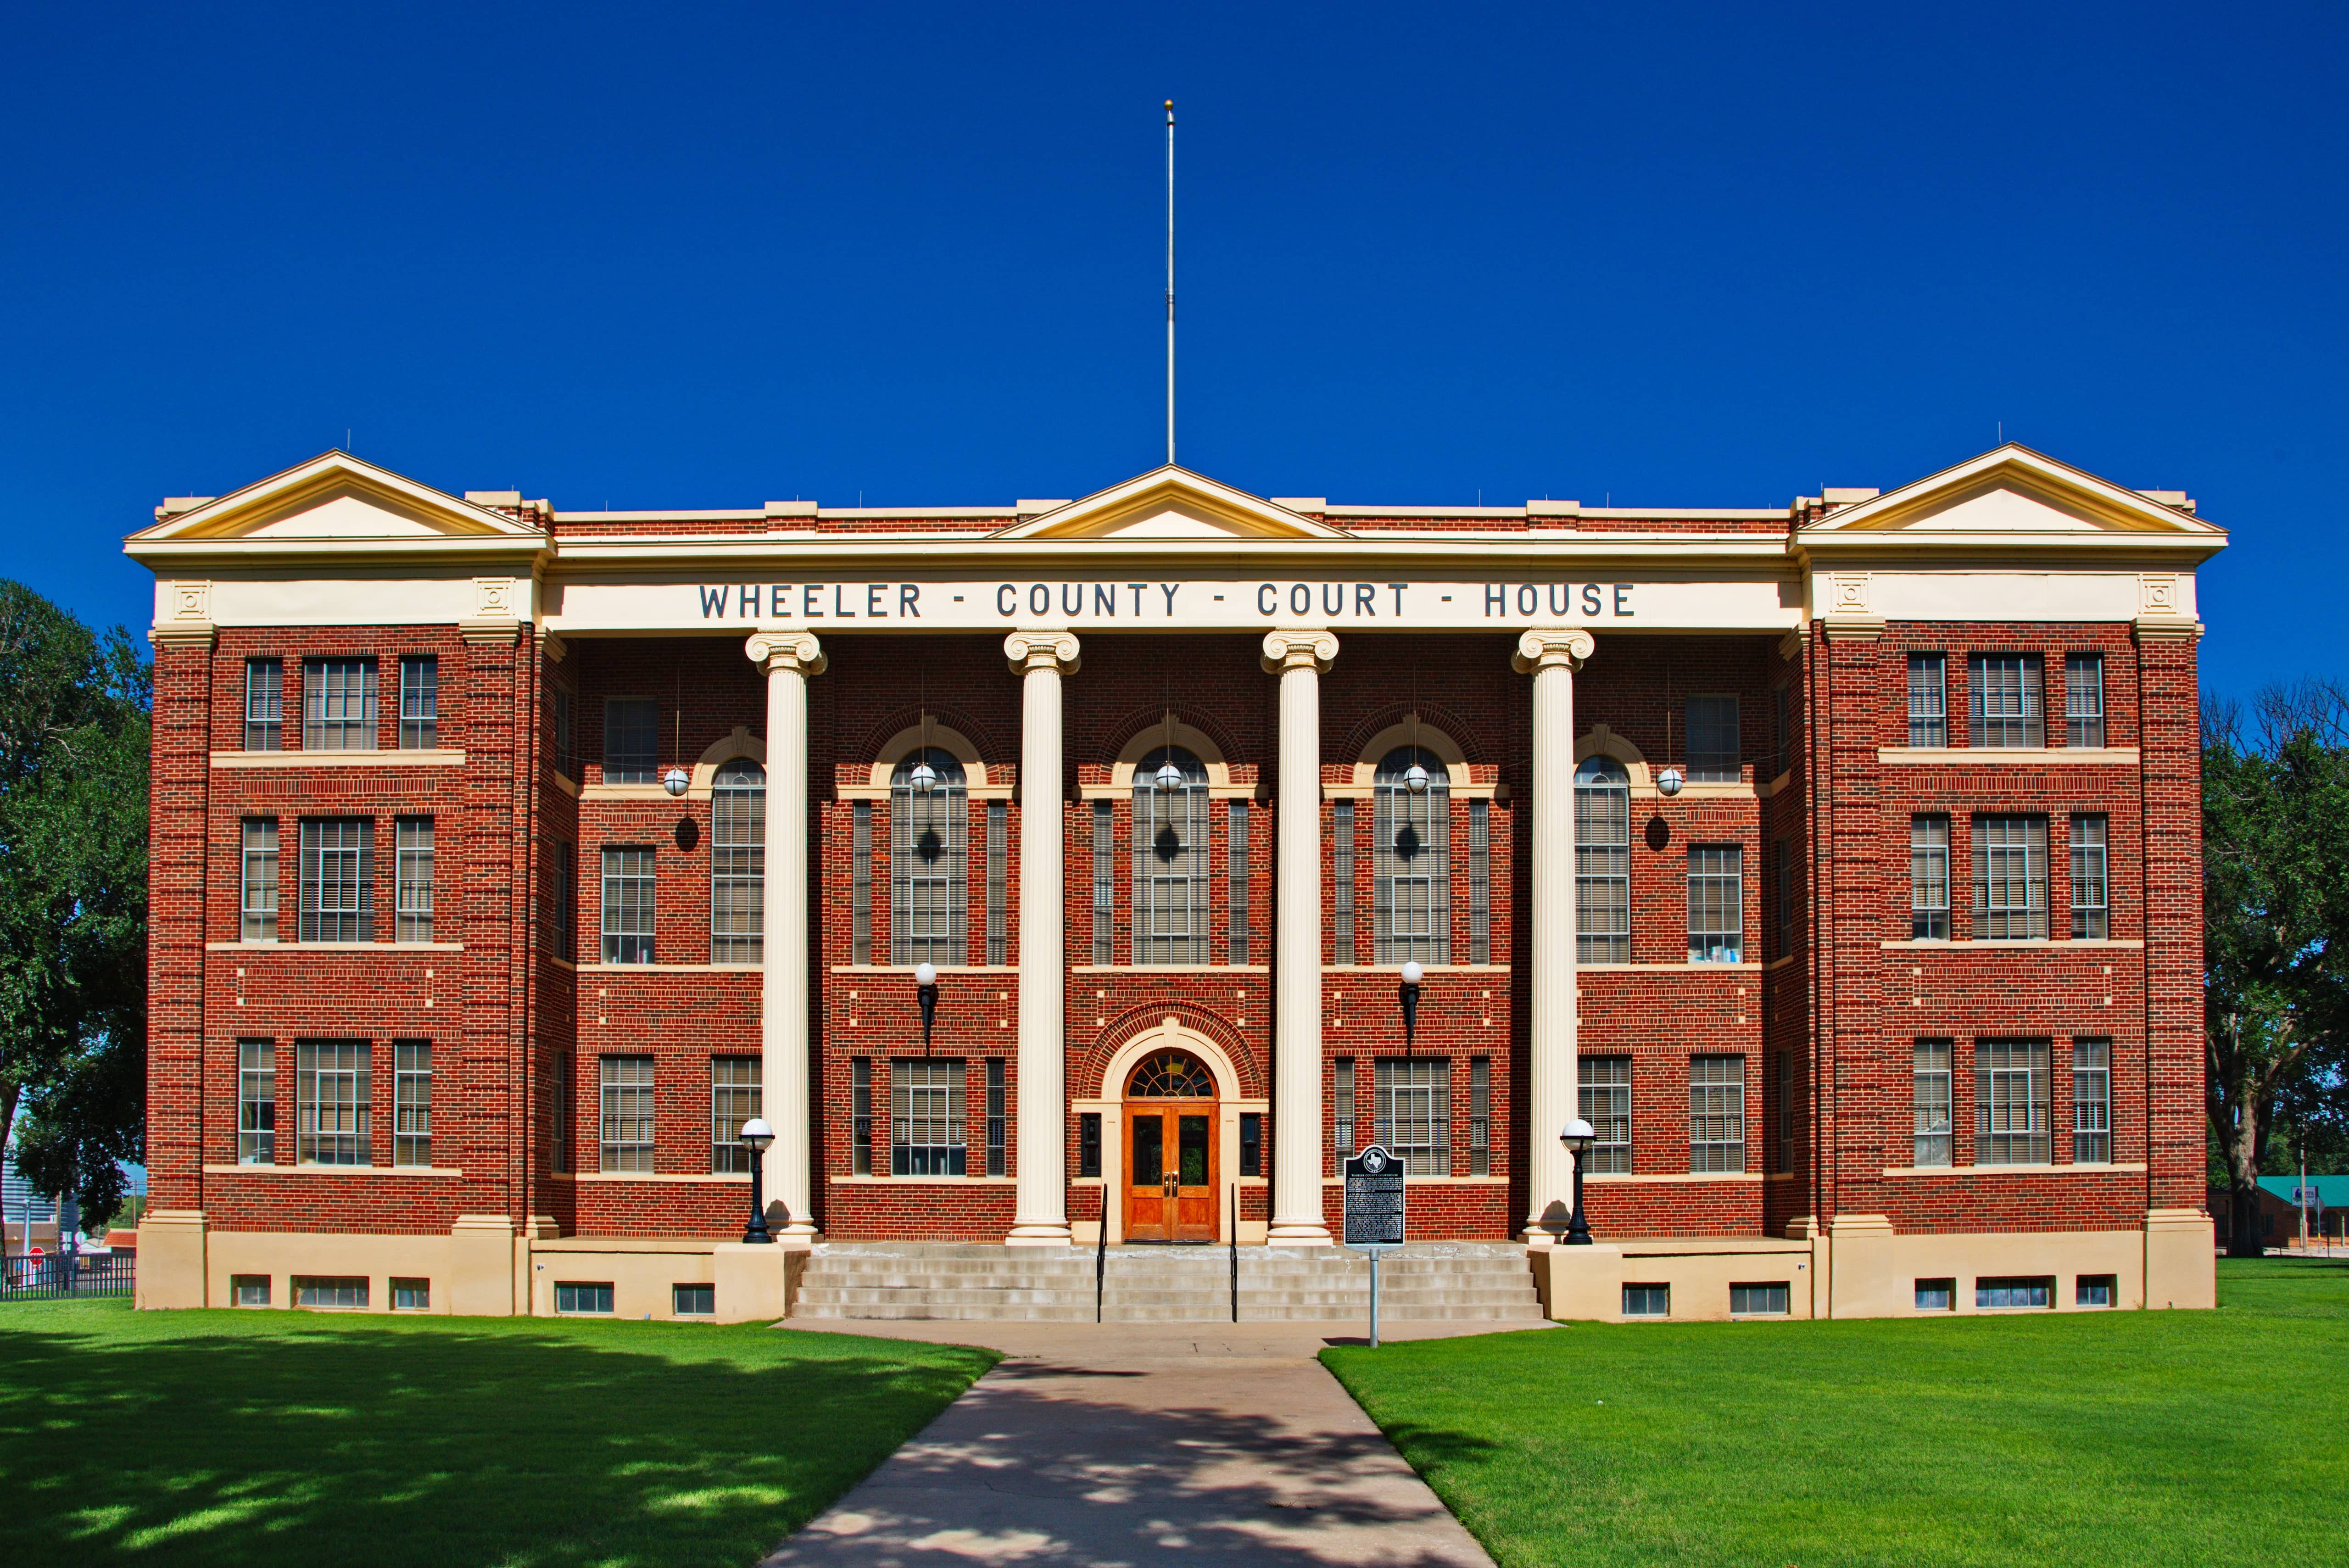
column 1143, row 1443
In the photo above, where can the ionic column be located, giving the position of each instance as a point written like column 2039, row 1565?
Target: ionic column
column 1041, row 1210
column 1551, row 658
column 789, row 658
column 1299, row 656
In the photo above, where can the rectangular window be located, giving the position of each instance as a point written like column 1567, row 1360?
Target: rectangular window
column 413, row 836
column 411, row 1295
column 998, row 1119
column 1716, row 904
column 627, row 905
column 1716, row 1113
column 1647, row 1300
column 1937, row 1295
column 1781, row 714
column 338, row 705
column 331, row 1102
column 1236, row 840
column 1605, row 1096
column 1787, row 889
column 734, row 1098
column 2011, row 1092
column 2084, row 699
column 338, row 878
column 926, row 1117
column 2091, row 897
column 1758, row 1300
column 1480, row 881
column 1412, row 1114
column 1170, row 873
column 1930, row 1096
column 860, row 1115
column 411, row 1103
column 2092, row 1290
column 998, row 910
column 1713, row 748
column 1790, row 1109
column 1929, row 879
column 264, row 704
column 1411, row 870
column 1341, row 1102
column 566, row 901
column 1929, row 699
column 344, row 1294
column 1104, row 887
column 631, row 739
column 1994, row 1294
column 2003, row 699
column 1602, row 862
column 573, row 1296
column 1479, row 1116
column 564, row 709
column 420, row 702
column 256, row 1102
column 1089, row 1143
column 2010, row 878
column 626, row 1137
column 737, row 864
column 250, row 1290
column 561, row 1113
column 2092, row 1102
column 860, row 896
column 1342, row 884
column 1251, row 1143
column 693, row 1300
column 258, row 895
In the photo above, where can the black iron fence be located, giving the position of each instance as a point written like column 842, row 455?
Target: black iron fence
column 59, row 1278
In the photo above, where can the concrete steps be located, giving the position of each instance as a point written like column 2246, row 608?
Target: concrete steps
column 1480, row 1282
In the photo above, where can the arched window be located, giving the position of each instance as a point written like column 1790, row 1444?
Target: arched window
column 737, row 861
column 1169, row 861
column 1602, row 862
column 930, row 847
column 1171, row 1075
column 1410, row 860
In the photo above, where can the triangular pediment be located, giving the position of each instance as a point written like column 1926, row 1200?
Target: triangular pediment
column 336, row 498
column 2011, row 493
column 1171, row 505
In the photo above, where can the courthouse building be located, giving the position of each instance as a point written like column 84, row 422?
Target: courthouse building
column 1837, row 860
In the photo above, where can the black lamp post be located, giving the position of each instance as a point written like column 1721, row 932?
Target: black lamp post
column 925, row 991
column 1577, row 1137
column 1408, row 992
column 756, row 1136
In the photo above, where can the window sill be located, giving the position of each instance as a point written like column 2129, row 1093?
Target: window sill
column 728, row 1178
column 667, row 968
column 1641, row 1178
column 2121, row 1168
column 1429, row 968
column 334, row 947
column 2005, row 756
column 333, row 1170
column 927, row 1180
column 653, row 792
column 1727, row 968
column 1170, row 969
column 1944, row 944
column 435, row 758
column 908, row 968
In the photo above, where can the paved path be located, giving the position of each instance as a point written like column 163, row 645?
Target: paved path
column 1121, row 1444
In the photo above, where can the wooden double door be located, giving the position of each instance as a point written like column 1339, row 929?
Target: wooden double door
column 1170, row 1170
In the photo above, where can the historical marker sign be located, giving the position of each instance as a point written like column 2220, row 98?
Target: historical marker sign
column 1374, row 1204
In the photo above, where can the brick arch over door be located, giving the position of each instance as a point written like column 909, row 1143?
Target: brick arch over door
column 1138, row 1030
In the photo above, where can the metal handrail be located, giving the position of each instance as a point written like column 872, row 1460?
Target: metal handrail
column 1101, row 1256
column 1236, row 1251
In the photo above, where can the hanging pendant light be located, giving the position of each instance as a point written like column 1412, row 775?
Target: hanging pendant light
column 1414, row 778
column 1169, row 777
column 924, row 777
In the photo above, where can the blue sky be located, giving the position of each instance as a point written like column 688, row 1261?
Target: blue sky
column 716, row 254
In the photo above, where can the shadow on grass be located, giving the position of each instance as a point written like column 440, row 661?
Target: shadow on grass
column 273, row 1437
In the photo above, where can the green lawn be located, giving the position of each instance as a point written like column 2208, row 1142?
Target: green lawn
column 2139, row 1438
column 173, row 1438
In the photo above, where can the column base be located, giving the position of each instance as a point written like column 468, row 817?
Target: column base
column 1537, row 1234
column 1037, row 1234
column 1298, row 1233
column 797, row 1234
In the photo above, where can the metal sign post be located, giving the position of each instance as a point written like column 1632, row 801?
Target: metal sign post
column 1374, row 1212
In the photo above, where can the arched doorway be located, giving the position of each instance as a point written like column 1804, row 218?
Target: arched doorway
column 1170, row 1170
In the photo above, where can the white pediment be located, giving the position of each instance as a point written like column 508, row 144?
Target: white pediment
column 337, row 497
column 2015, row 493
column 1172, row 504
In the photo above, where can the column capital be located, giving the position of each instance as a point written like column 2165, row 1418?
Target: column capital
column 1301, row 649
column 774, row 651
column 1545, row 649
column 1031, row 649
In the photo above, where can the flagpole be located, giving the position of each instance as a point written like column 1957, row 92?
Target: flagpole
column 1170, row 283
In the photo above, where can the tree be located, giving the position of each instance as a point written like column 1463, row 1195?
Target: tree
column 2276, row 875
column 74, row 730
